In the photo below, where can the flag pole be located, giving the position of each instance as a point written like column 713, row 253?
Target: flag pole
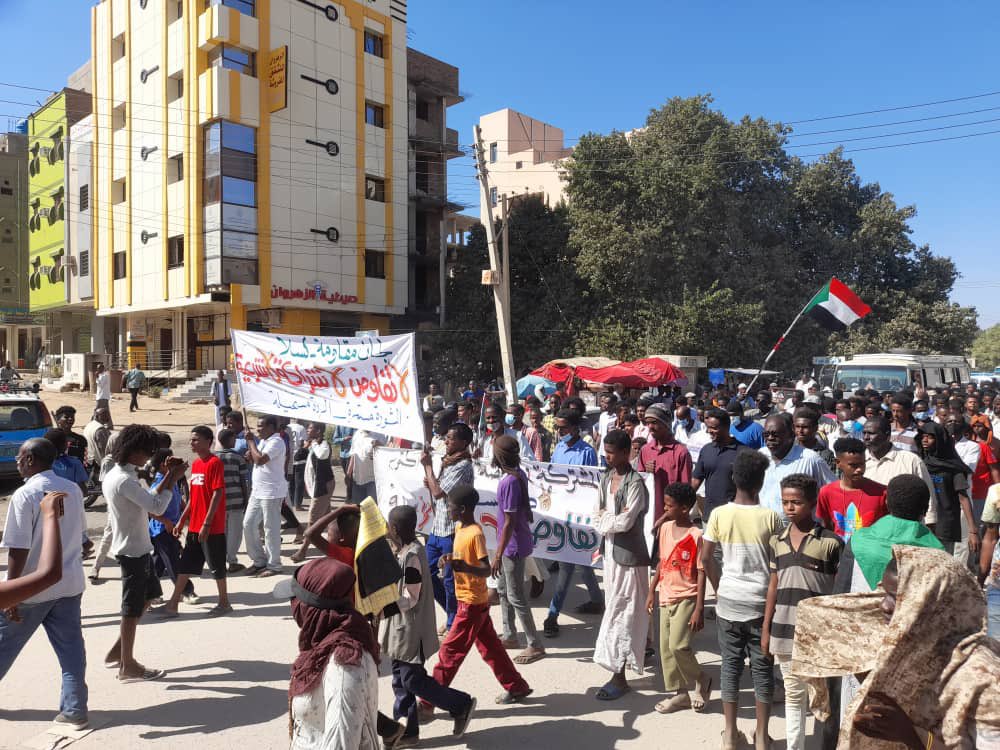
column 778, row 343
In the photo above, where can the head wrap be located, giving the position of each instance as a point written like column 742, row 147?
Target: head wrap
column 328, row 623
column 933, row 658
column 942, row 458
column 506, row 453
column 658, row 413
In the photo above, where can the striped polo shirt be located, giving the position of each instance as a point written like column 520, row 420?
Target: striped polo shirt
column 802, row 574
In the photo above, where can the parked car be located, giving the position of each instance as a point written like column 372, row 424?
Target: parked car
column 23, row 415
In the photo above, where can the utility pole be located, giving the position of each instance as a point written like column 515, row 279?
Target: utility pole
column 499, row 276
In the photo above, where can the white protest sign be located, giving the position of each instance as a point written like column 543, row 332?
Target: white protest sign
column 368, row 383
column 563, row 499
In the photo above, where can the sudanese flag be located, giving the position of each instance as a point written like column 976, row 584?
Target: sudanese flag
column 836, row 307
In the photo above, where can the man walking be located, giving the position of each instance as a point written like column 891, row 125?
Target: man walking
column 57, row 608
column 135, row 380
column 787, row 457
column 267, row 495
column 715, row 463
column 221, row 395
column 102, row 387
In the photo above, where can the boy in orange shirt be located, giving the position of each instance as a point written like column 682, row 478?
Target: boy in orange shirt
column 472, row 624
column 680, row 578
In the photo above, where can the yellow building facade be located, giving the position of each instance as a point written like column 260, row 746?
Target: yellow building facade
column 249, row 170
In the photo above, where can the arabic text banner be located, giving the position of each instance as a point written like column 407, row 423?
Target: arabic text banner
column 563, row 499
column 367, row 383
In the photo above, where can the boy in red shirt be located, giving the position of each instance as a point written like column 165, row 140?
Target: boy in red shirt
column 852, row 502
column 205, row 515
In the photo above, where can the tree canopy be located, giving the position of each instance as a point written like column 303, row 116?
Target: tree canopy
column 700, row 235
column 986, row 348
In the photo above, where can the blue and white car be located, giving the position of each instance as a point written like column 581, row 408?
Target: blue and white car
column 23, row 415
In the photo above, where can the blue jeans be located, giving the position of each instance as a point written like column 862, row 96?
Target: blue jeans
column 562, row 587
column 61, row 620
column 737, row 641
column 993, row 612
column 443, row 582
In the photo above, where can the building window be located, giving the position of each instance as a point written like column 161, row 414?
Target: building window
column 117, row 48
column 85, row 263
column 84, row 197
column 175, row 87
column 423, row 175
column 518, row 164
column 374, row 264
column 175, row 252
column 118, row 117
column 175, row 169
column 423, row 110
column 232, row 58
column 243, row 6
column 374, row 44
column 493, row 152
column 375, row 189
column 118, row 191
column 493, row 196
column 375, row 114
column 6, row 190
column 118, row 260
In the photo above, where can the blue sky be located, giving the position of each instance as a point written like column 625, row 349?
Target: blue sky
column 592, row 66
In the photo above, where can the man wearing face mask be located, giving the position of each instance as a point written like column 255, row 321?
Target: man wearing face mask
column 573, row 451
column 527, row 437
column 495, row 427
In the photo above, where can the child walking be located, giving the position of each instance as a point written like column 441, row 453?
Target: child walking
column 166, row 548
column 470, row 563
column 743, row 530
column 205, row 516
column 804, row 560
column 409, row 636
column 680, row 578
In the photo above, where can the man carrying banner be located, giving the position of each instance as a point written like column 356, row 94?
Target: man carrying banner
column 266, row 497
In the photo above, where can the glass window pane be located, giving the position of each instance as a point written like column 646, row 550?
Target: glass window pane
column 239, row 164
column 240, row 192
column 213, row 189
column 212, row 138
column 238, row 137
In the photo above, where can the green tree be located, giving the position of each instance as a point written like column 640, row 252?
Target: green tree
column 986, row 348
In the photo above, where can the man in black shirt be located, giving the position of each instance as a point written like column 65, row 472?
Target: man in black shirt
column 65, row 419
column 715, row 463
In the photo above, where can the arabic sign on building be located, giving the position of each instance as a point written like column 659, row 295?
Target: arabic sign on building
column 367, row 383
column 277, row 79
column 317, row 293
column 563, row 500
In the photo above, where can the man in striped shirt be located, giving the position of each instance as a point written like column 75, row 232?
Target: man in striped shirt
column 904, row 429
column 804, row 560
column 236, row 477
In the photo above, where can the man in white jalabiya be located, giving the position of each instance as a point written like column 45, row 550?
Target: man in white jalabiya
column 619, row 516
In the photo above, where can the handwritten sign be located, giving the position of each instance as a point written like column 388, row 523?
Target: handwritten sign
column 277, row 79
column 365, row 382
column 563, row 499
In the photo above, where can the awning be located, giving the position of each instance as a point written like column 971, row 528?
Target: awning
column 640, row 373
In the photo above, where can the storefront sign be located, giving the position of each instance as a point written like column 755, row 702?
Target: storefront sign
column 310, row 293
column 277, row 79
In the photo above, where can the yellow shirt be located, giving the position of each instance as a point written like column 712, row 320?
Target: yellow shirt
column 470, row 548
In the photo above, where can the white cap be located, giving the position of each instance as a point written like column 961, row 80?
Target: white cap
column 741, row 387
column 690, row 394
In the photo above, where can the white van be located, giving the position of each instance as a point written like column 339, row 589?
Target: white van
column 897, row 369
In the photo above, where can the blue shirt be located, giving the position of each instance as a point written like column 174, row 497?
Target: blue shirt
column 71, row 468
column 578, row 454
column 798, row 460
column 749, row 433
column 173, row 511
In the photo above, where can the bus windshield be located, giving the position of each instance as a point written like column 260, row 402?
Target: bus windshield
column 879, row 377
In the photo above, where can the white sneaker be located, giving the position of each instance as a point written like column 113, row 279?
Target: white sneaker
column 191, row 598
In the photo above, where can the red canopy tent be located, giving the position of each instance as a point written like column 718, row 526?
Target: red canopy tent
column 640, row 373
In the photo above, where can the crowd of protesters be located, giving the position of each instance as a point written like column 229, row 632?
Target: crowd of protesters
column 850, row 540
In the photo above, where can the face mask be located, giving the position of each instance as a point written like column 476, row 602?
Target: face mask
column 849, row 425
column 508, row 420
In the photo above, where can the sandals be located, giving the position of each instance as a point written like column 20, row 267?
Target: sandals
column 702, row 695
column 611, row 692
column 509, row 643
column 220, row 609
column 147, row 675
column 529, row 656
column 508, row 697
column 676, row 703
column 266, row 573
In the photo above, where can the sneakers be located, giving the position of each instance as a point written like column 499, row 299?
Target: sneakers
column 590, row 608
column 72, row 722
column 235, row 567
column 191, row 598
column 462, row 720
column 550, row 628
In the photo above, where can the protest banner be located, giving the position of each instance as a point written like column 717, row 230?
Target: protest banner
column 563, row 499
column 367, row 382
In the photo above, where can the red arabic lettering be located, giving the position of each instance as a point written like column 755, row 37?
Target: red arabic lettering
column 331, row 298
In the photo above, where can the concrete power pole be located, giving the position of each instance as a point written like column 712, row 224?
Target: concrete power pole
column 498, row 276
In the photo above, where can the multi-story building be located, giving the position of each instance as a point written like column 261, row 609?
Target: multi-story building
column 433, row 87
column 523, row 158
column 19, row 333
column 250, row 170
column 67, row 327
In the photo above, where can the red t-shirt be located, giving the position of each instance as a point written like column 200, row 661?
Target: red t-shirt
column 206, row 478
column 849, row 510
column 981, row 479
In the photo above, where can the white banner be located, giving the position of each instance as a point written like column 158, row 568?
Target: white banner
column 368, row 383
column 563, row 499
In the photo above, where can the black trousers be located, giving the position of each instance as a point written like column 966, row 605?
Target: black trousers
column 134, row 403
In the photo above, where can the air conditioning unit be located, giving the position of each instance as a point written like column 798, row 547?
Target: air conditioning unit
column 71, row 263
column 271, row 318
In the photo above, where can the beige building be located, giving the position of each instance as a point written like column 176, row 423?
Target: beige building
column 523, row 157
column 250, row 171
